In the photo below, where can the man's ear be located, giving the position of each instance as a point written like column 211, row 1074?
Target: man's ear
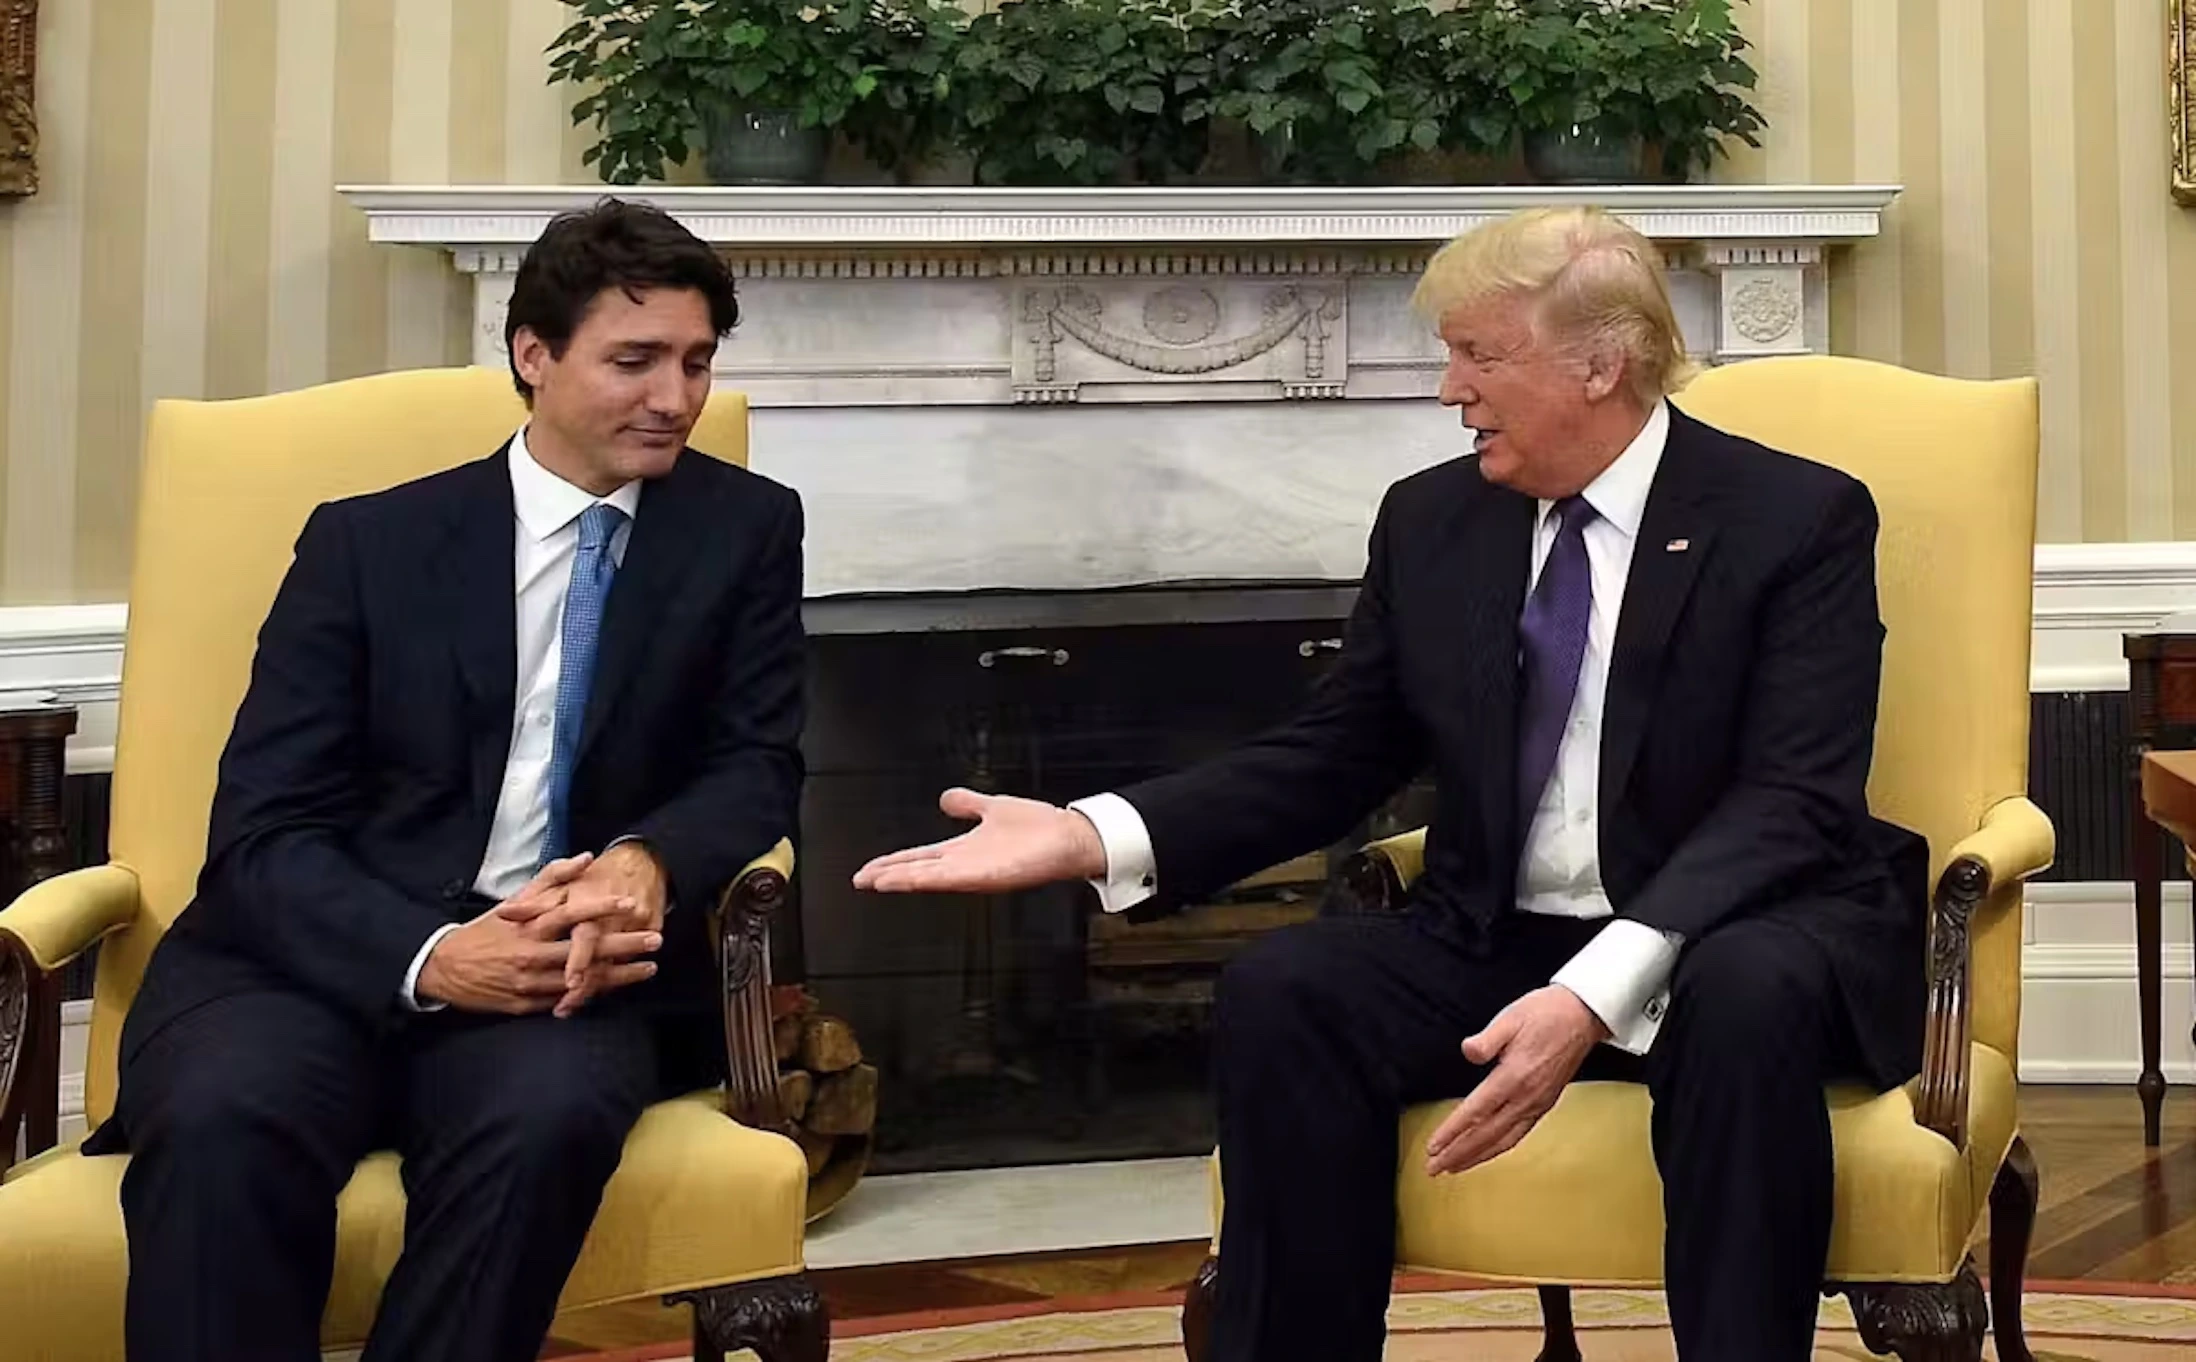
column 530, row 355
column 1605, row 365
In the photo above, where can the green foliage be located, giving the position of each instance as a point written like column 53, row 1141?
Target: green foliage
column 657, row 67
column 1075, row 92
column 1671, row 72
column 1111, row 91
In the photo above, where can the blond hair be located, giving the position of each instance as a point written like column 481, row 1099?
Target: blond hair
column 1593, row 280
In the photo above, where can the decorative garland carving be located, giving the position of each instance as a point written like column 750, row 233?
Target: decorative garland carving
column 1289, row 310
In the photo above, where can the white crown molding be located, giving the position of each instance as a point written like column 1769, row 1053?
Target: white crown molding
column 458, row 217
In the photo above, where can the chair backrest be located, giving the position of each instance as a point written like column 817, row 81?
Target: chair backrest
column 226, row 488
column 1952, row 466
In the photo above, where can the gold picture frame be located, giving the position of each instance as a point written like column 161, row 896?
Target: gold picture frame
column 18, row 96
column 2181, row 90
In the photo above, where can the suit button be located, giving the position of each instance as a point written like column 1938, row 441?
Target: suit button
column 455, row 889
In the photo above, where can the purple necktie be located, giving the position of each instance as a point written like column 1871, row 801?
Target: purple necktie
column 1552, row 643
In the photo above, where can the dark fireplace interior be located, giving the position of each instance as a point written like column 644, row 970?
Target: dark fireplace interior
column 1029, row 1028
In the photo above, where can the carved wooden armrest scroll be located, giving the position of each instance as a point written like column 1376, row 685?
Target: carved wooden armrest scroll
column 21, row 990
column 1366, row 882
column 742, row 933
column 1940, row 1103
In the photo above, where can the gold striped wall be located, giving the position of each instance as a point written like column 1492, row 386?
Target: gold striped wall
column 187, row 240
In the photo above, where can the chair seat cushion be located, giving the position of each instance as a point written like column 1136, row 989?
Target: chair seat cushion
column 1579, row 1201
column 698, row 1200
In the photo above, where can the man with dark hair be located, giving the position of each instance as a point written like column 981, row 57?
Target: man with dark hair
column 510, row 731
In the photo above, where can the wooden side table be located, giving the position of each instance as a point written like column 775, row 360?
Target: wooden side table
column 34, row 846
column 2161, row 693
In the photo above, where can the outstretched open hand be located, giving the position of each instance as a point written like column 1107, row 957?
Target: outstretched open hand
column 1536, row 1045
column 1016, row 844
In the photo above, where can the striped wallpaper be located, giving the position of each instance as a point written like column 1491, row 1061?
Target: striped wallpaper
column 187, row 240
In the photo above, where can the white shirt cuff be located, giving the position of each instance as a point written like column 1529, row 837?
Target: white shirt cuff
column 409, row 995
column 1131, row 872
column 1623, row 977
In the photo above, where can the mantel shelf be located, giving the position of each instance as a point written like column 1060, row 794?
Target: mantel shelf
column 457, row 217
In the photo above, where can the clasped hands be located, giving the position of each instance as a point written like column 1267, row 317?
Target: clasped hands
column 1535, row 1045
column 580, row 928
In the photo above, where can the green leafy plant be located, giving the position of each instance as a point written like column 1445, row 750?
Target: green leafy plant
column 1670, row 72
column 1295, row 72
column 1111, row 91
column 1075, row 92
column 659, row 68
column 910, row 47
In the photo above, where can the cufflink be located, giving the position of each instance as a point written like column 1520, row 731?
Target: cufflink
column 1654, row 1009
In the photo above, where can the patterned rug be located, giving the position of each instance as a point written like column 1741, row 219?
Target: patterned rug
column 2108, row 1324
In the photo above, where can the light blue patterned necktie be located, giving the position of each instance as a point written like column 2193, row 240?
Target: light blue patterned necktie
column 592, row 570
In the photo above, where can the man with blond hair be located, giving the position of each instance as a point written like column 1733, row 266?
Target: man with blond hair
column 1641, row 657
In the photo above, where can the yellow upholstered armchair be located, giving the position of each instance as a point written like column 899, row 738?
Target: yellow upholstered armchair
column 1952, row 465
column 707, row 1204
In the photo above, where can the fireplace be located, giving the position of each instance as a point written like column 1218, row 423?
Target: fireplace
column 1087, row 476
column 1030, row 1028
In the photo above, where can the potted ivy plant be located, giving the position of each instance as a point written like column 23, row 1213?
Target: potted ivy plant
column 758, row 84
column 1599, row 86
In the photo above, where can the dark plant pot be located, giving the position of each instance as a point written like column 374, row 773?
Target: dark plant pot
column 1274, row 149
column 762, row 146
column 1583, row 155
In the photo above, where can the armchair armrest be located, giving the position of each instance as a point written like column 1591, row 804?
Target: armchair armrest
column 1376, row 878
column 741, row 930
column 56, row 920
column 49, row 925
column 2014, row 842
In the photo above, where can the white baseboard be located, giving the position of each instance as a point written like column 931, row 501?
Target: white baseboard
column 2080, row 1011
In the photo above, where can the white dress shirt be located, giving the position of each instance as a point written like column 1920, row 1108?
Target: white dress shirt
column 1623, row 974
column 547, row 535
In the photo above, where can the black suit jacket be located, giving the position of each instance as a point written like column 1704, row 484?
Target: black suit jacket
column 360, row 779
column 1736, row 733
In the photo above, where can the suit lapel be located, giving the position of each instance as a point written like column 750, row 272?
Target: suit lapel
column 1498, row 544
column 667, row 526
column 1676, row 533
column 476, row 570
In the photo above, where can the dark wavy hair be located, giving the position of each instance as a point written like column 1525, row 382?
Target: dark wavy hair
column 614, row 244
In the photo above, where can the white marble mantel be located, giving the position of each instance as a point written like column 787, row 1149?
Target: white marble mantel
column 1090, row 387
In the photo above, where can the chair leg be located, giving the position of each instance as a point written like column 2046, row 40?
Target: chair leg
column 782, row 1319
column 1928, row 1323
column 1197, row 1311
column 1557, row 1342
column 2013, row 1199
